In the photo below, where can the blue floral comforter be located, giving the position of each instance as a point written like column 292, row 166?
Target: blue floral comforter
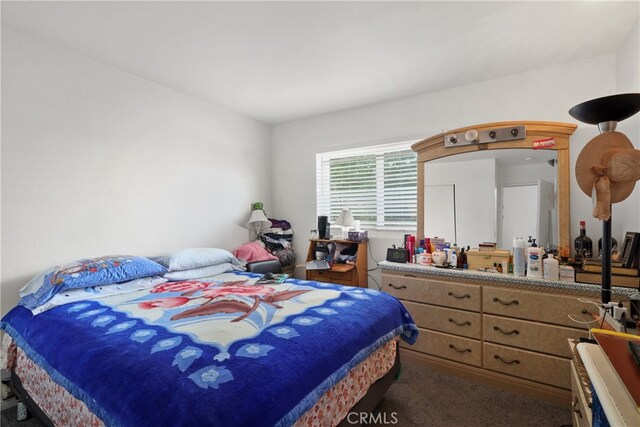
column 222, row 352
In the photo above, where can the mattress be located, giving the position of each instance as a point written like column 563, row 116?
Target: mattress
column 221, row 351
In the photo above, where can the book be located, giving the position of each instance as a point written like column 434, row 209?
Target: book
column 622, row 271
column 272, row 278
column 616, row 280
column 631, row 250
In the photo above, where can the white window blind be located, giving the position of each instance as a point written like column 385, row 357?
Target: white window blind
column 378, row 184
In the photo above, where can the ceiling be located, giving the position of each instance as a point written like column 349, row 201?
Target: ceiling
column 282, row 61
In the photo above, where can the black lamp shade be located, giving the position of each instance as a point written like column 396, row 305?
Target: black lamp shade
column 614, row 108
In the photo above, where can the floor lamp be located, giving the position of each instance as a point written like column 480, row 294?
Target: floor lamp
column 608, row 167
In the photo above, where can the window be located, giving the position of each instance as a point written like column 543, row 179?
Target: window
column 378, row 184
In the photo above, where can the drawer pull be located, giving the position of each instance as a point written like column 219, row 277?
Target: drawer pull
column 397, row 287
column 467, row 323
column 514, row 302
column 451, row 294
column 575, row 407
column 410, row 275
column 515, row 331
column 516, row 361
column 464, row 350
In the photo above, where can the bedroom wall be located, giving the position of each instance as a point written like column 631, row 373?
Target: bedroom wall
column 628, row 81
column 96, row 161
column 544, row 94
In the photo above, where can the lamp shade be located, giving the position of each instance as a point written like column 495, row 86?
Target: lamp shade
column 258, row 221
column 345, row 219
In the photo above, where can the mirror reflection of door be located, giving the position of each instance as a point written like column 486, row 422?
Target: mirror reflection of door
column 527, row 211
column 440, row 210
column 546, row 213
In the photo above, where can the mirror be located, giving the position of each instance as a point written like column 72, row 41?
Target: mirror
column 491, row 191
column 512, row 193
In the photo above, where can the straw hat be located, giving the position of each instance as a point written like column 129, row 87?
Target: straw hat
column 607, row 170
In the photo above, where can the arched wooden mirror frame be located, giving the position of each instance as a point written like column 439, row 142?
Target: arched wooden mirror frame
column 433, row 148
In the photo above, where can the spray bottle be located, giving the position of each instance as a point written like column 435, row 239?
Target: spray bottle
column 519, row 255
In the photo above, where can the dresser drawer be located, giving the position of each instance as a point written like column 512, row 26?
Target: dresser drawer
column 528, row 335
column 449, row 320
column 542, row 368
column 450, row 347
column 541, row 307
column 455, row 295
column 579, row 406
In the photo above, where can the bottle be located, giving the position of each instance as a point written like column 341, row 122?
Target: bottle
column 582, row 244
column 497, row 267
column 551, row 268
column 529, row 242
column 461, row 257
column 453, row 262
column 614, row 243
column 534, row 244
column 534, row 262
column 465, row 265
column 519, row 256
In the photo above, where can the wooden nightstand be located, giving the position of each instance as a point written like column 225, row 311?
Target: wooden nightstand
column 343, row 274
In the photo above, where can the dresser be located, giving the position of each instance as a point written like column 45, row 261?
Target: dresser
column 507, row 331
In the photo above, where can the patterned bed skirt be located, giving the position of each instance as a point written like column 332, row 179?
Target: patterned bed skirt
column 65, row 410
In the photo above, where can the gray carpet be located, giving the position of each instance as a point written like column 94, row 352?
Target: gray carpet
column 425, row 397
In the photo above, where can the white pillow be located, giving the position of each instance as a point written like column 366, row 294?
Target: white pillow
column 188, row 259
column 198, row 273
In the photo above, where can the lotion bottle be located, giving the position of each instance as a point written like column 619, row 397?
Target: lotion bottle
column 534, row 262
column 551, row 268
column 519, row 246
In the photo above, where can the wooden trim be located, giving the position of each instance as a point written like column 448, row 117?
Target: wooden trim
column 551, row 394
column 433, row 148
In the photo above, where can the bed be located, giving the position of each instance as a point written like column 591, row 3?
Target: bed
column 220, row 350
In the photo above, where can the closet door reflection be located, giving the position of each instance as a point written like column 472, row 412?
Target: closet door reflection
column 440, row 210
column 527, row 210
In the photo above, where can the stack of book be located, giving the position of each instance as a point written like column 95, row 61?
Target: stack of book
column 591, row 272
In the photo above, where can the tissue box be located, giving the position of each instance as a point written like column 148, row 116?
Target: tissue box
column 567, row 274
column 485, row 259
column 358, row 236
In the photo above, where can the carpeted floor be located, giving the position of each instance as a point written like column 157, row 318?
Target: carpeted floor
column 424, row 397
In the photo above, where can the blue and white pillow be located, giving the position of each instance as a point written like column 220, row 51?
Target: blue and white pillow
column 97, row 292
column 188, row 259
column 85, row 273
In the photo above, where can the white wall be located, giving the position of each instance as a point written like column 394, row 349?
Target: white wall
column 545, row 94
column 96, row 161
column 628, row 81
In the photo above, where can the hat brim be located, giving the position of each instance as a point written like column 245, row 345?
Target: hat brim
column 592, row 154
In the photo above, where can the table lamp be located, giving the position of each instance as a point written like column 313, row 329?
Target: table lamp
column 344, row 221
column 258, row 223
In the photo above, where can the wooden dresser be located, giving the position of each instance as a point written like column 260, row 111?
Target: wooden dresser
column 507, row 331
